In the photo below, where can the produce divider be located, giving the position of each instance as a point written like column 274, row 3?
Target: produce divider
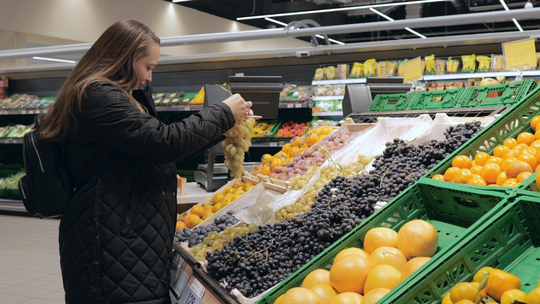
column 462, row 213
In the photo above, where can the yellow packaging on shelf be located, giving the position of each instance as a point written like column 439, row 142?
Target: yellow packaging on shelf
column 400, row 67
column 452, row 65
column 369, row 68
column 431, row 69
column 484, row 64
column 391, row 68
column 199, row 98
column 381, row 68
column 423, row 66
column 357, row 70
column 469, row 63
column 497, row 63
column 319, row 74
column 538, row 58
column 440, row 66
column 331, row 72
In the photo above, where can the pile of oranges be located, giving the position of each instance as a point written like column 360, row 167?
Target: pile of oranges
column 511, row 163
column 274, row 163
column 365, row 276
column 198, row 213
column 491, row 286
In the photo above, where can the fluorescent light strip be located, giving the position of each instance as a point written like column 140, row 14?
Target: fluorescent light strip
column 53, row 59
column 380, row 14
column 175, row 1
column 504, row 5
column 415, row 32
column 339, row 9
column 517, row 24
column 285, row 24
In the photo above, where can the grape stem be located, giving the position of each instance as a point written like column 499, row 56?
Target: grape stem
column 231, row 258
column 265, row 249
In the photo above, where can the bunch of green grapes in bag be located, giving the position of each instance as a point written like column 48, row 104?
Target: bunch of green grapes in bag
column 215, row 240
column 237, row 143
column 304, row 203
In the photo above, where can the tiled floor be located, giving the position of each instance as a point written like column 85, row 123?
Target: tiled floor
column 29, row 261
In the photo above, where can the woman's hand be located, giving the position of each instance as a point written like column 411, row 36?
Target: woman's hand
column 239, row 106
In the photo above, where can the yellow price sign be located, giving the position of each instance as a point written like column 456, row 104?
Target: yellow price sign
column 412, row 70
column 520, row 54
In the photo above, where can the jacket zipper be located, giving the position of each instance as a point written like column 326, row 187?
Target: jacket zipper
column 37, row 152
column 22, row 191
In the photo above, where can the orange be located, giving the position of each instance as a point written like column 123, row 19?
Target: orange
column 439, row 177
column 327, row 130
column 266, row 159
column 534, row 296
column 499, row 282
column 348, row 298
column 476, row 169
column 192, row 220
column 481, row 158
column 477, row 182
column 278, row 300
column 276, row 162
column 506, row 161
column 412, row 266
column 465, row 302
column 490, row 171
column 523, row 176
column 515, row 168
column 537, row 134
column 473, row 163
column 529, row 159
column 312, row 139
column 378, row 237
column 535, row 144
column 530, row 151
column 349, row 251
column 445, row 300
column 325, row 292
column 207, row 214
column 526, row 138
column 294, row 151
column 418, row 238
column 180, row 225
column 510, row 143
column 501, row 178
column 316, row 277
column 494, row 159
column 300, row 295
column 449, row 174
column 464, row 291
column 296, row 142
column 349, row 274
column 218, row 206
column 387, row 256
column 476, row 284
column 538, row 185
column 511, row 182
column 463, row 176
column 500, row 151
column 513, row 153
column 534, row 122
column 218, row 197
column 382, row 276
column 462, row 162
column 482, row 274
column 512, row 295
column 197, row 210
column 375, row 295
column 266, row 170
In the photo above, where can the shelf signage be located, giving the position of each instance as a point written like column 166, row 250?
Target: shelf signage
column 520, row 55
column 412, row 70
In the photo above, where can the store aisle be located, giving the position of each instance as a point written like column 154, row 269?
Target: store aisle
column 29, row 261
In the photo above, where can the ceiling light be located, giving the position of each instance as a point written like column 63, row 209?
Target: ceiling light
column 528, row 4
column 54, row 59
column 380, row 14
column 339, row 9
column 176, row 1
column 285, row 24
column 517, row 24
column 504, row 5
column 415, row 32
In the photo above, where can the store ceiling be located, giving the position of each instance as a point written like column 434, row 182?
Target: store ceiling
column 233, row 9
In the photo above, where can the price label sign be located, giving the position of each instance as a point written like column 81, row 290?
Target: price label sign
column 412, row 70
column 189, row 297
column 519, row 55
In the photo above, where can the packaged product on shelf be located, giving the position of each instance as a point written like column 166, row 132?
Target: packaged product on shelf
column 4, row 84
column 369, row 68
column 338, row 105
column 538, row 59
column 440, row 66
column 357, row 70
column 166, row 102
column 322, row 91
column 452, row 65
column 423, row 66
column 497, row 63
column 331, row 72
column 342, row 71
column 199, row 98
column 287, row 92
column 11, row 182
column 469, row 63
column 319, row 74
column 400, row 67
column 326, row 105
column 431, row 69
column 484, row 64
column 488, row 82
column 391, row 68
column 381, row 68
column 337, row 90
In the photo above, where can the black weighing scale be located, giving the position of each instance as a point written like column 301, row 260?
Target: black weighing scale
column 263, row 92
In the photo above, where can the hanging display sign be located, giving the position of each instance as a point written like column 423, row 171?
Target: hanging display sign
column 520, row 55
column 412, row 70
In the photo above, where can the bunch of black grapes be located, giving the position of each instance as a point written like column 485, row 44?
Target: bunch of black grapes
column 196, row 235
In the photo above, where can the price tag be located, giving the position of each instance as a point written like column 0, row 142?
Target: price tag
column 298, row 105
column 520, row 54
column 178, row 279
column 43, row 111
column 189, row 297
column 23, row 112
column 5, row 112
column 273, row 144
column 290, row 105
column 187, row 108
column 30, row 112
column 198, row 288
column 412, row 70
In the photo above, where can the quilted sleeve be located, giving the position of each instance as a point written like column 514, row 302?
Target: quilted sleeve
column 110, row 117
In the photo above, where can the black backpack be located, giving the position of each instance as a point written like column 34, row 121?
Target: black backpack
column 48, row 186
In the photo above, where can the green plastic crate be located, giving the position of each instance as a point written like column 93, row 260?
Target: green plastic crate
column 437, row 100
column 516, row 120
column 392, row 102
column 299, row 117
column 453, row 212
column 508, row 94
column 508, row 240
column 528, row 187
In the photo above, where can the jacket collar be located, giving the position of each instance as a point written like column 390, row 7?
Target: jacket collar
column 144, row 96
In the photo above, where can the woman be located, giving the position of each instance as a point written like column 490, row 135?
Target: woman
column 116, row 235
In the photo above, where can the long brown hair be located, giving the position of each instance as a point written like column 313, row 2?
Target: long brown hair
column 111, row 59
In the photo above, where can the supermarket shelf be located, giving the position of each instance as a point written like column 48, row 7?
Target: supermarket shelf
column 479, row 75
column 337, row 97
column 269, row 144
column 285, row 105
column 23, row 112
column 335, row 113
column 14, row 141
column 11, row 205
column 338, row 81
column 186, row 108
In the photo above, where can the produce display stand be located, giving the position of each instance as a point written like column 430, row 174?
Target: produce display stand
column 497, row 95
column 437, row 100
column 392, row 102
column 455, row 212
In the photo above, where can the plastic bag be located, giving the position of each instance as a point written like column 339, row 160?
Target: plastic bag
column 497, row 63
column 381, row 68
column 342, row 71
column 440, row 66
column 326, row 105
column 391, row 69
column 319, row 74
column 452, row 65
column 484, row 64
column 331, row 72
column 431, row 69
column 357, row 70
column 400, row 67
column 370, row 66
column 469, row 63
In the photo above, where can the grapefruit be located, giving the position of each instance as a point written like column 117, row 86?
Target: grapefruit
column 300, row 295
column 316, row 277
column 382, row 276
column 418, row 238
column 378, row 237
column 413, row 266
column 349, row 274
column 387, row 256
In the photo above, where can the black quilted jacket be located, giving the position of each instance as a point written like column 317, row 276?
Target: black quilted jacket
column 116, row 235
